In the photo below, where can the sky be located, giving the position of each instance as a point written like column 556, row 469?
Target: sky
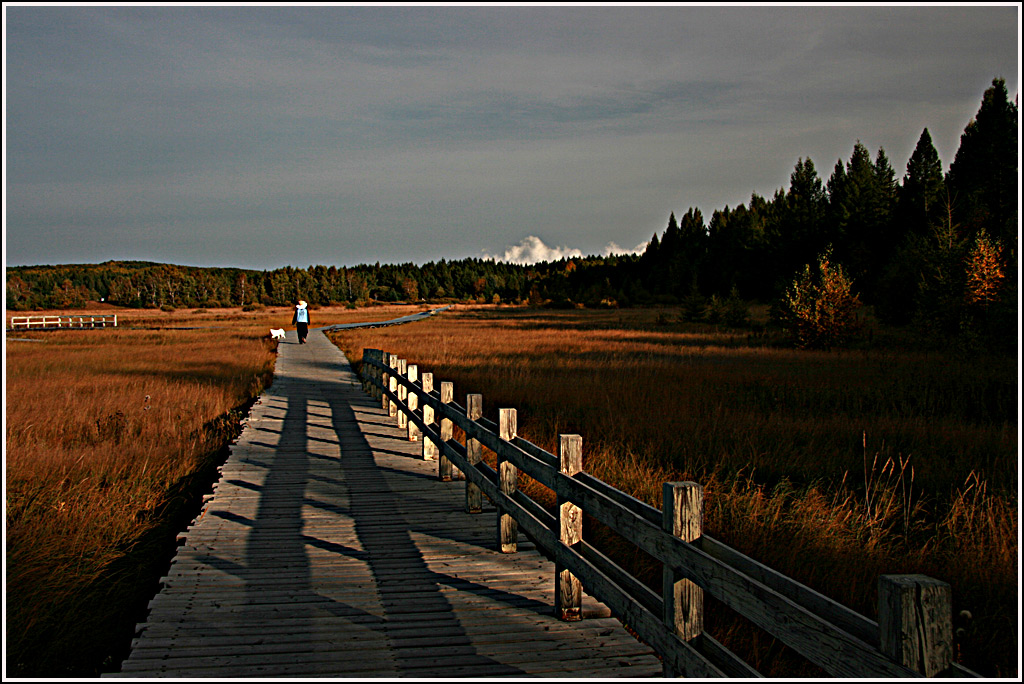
column 264, row 136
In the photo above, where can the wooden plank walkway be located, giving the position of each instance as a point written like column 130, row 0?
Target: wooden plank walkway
column 330, row 549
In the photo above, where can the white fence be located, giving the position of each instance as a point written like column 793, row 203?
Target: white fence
column 50, row 322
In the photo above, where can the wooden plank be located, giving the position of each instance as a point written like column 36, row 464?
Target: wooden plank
column 338, row 533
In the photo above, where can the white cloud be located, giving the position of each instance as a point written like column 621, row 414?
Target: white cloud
column 533, row 250
column 613, row 249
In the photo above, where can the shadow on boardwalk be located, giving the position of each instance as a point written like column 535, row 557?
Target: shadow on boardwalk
column 330, row 549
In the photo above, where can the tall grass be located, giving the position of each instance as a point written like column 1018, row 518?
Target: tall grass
column 831, row 467
column 101, row 427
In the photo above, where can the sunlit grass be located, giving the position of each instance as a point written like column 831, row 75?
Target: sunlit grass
column 833, row 468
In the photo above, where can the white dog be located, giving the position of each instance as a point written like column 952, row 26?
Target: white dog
column 277, row 333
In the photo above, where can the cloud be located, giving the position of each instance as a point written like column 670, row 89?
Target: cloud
column 612, row 249
column 533, row 250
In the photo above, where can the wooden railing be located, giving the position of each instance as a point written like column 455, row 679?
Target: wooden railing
column 80, row 321
column 913, row 636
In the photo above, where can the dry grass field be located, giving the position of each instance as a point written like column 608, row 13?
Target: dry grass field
column 833, row 467
column 110, row 437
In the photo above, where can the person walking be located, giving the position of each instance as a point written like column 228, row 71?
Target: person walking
column 300, row 319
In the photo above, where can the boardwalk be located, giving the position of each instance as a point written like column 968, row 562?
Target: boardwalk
column 331, row 549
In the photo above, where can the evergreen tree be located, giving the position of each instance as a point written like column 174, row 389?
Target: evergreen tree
column 983, row 176
column 923, row 188
column 799, row 232
column 919, row 207
column 861, row 203
column 691, row 252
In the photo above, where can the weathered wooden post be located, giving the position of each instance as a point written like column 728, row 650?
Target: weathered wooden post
column 568, row 590
column 385, row 379
column 413, row 402
column 682, row 516
column 474, row 453
column 364, row 372
column 379, row 375
column 367, row 370
column 370, row 373
column 444, row 466
column 393, row 385
column 915, row 622
column 381, row 379
column 508, row 476
column 403, row 393
column 429, row 448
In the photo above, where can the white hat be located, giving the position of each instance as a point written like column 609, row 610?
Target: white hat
column 301, row 304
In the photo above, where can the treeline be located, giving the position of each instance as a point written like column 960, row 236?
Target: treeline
column 927, row 248
column 914, row 249
column 150, row 285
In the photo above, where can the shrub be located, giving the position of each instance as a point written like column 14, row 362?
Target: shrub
column 736, row 313
column 694, row 306
column 820, row 309
column 714, row 310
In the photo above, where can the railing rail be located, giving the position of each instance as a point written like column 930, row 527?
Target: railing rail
column 913, row 636
column 75, row 321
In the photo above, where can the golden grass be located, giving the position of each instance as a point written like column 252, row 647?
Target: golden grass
column 830, row 467
column 106, row 433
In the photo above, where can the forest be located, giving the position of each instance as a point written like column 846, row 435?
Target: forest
column 934, row 250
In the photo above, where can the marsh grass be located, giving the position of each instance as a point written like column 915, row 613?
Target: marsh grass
column 110, row 436
column 832, row 467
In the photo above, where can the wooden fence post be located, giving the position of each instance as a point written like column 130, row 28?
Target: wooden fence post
column 365, row 372
column 385, row 380
column 371, row 372
column 915, row 622
column 378, row 374
column 474, row 453
column 444, row 466
column 393, row 385
column 682, row 516
column 429, row 448
column 413, row 401
column 568, row 590
column 402, row 392
column 508, row 475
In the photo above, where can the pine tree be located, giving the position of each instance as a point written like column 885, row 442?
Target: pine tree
column 861, row 203
column 919, row 206
column 799, row 231
column 923, row 187
column 983, row 176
